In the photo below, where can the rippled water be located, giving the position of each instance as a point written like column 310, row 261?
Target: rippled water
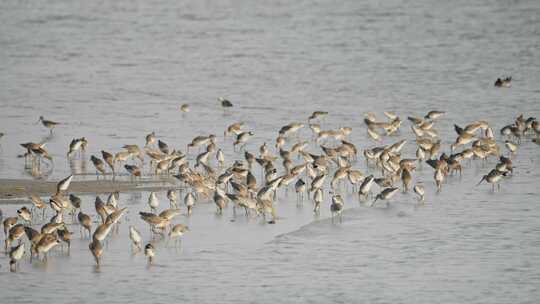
column 115, row 71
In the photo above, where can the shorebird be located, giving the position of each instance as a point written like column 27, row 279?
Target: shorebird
column 155, row 221
column 40, row 152
column 184, row 108
column 373, row 134
column 149, row 252
column 75, row 203
column 34, row 237
column 99, row 165
column 51, row 227
column 65, row 235
column 439, row 178
column 49, row 124
column 235, row 129
column 150, row 139
column 109, row 159
column 133, row 170
column 101, row 209
column 153, row 201
column 493, row 177
column 241, row 139
column 122, row 156
column 135, row 237
column 85, row 222
column 102, row 231
column 115, row 216
column 189, row 201
column 386, row 194
column 177, row 231
column 220, row 201
column 317, row 199
column 225, row 103
column 317, row 182
column 15, row 254
column 406, row 178
column 433, row 115
column 419, row 190
column 337, row 207
column 75, row 145
column 25, row 214
column 170, row 213
column 173, row 199
column 97, row 251
column 365, row 187
column 317, row 114
column 512, row 147
column 15, row 233
column 290, row 129
column 220, row 157
column 163, row 147
column 63, row 185
column 504, row 82
column 200, row 140
column 47, row 242
column 300, row 188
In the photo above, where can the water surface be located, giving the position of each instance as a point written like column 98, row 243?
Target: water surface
column 113, row 72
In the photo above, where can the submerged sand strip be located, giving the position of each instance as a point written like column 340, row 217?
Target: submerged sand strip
column 18, row 188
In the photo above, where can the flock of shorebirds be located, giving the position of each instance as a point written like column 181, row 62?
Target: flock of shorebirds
column 207, row 176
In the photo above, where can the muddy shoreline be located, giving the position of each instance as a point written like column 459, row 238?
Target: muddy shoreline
column 13, row 190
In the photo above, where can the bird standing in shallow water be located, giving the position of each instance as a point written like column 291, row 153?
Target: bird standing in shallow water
column 15, row 254
column 512, row 147
column 419, row 190
column 153, row 201
column 97, row 250
column 504, row 82
column 493, row 177
column 149, row 252
column 49, row 124
column 177, row 232
column 135, row 237
column 337, row 207
column 99, row 165
column 133, row 170
column 109, row 159
column 85, row 222
column 225, row 103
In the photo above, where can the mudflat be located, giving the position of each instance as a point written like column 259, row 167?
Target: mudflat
column 19, row 188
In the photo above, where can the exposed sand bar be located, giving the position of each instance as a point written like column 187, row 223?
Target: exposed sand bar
column 19, row 188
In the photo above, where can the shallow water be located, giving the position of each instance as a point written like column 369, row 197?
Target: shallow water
column 114, row 72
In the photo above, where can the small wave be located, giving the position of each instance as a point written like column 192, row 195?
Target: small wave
column 55, row 18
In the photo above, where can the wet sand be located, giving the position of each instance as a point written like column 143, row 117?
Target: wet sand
column 16, row 189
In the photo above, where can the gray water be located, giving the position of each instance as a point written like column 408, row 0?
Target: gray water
column 115, row 71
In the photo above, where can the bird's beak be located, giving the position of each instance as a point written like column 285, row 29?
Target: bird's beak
column 483, row 178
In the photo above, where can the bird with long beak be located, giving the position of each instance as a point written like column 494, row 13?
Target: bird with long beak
column 49, row 124
column 63, row 185
column 386, row 194
column 493, row 177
